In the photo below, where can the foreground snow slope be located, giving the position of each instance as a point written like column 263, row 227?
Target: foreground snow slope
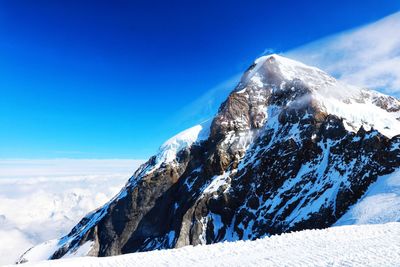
column 362, row 245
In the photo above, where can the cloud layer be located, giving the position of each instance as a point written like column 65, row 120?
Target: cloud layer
column 44, row 199
column 21, row 168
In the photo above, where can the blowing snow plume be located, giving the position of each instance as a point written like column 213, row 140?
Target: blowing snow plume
column 368, row 56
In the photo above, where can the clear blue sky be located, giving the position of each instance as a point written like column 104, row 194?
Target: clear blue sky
column 109, row 79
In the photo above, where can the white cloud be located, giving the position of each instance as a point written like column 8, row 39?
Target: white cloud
column 43, row 199
column 368, row 56
column 21, row 168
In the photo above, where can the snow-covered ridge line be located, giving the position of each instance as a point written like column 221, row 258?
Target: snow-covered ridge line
column 291, row 69
column 287, row 62
column 168, row 151
column 366, row 245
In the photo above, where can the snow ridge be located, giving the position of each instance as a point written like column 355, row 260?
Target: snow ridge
column 168, row 151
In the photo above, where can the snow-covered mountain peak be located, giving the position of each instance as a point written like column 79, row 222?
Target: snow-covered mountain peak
column 291, row 66
column 275, row 77
column 277, row 69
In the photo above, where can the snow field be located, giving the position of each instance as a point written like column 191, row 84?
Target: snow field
column 356, row 245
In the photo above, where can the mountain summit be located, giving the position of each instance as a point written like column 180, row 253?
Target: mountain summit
column 291, row 148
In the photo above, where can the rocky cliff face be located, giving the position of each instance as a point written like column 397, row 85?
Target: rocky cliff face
column 290, row 149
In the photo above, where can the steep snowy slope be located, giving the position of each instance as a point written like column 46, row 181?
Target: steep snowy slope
column 367, row 245
column 290, row 149
column 380, row 204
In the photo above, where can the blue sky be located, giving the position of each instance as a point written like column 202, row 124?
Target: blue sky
column 114, row 79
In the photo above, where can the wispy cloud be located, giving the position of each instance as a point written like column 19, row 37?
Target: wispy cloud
column 368, row 56
column 205, row 106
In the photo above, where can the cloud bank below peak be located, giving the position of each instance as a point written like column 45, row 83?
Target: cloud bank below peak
column 368, row 56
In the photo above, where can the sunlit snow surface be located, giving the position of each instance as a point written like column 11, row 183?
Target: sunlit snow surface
column 366, row 245
column 380, row 204
column 42, row 200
